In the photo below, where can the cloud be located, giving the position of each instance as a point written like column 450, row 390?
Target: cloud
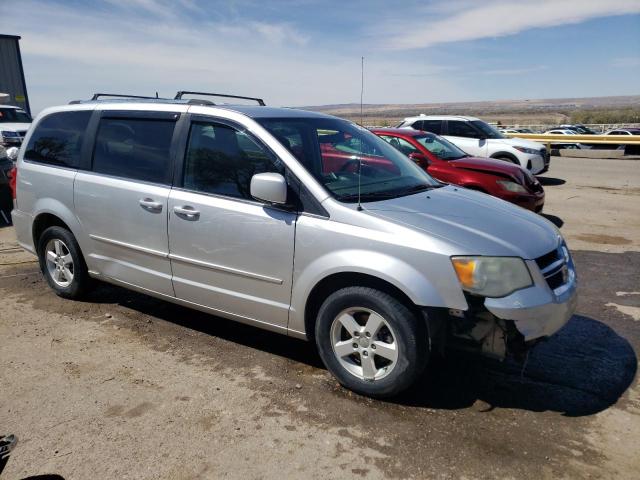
column 495, row 18
column 515, row 71
column 626, row 62
column 275, row 50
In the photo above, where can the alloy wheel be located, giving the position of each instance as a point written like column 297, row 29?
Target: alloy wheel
column 364, row 343
column 59, row 262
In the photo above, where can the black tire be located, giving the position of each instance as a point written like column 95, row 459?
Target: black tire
column 81, row 282
column 409, row 334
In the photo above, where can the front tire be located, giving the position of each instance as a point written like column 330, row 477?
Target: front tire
column 371, row 342
column 62, row 263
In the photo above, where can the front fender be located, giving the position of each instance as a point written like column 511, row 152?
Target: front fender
column 420, row 289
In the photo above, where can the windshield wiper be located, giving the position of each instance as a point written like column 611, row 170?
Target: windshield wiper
column 368, row 196
column 386, row 195
column 419, row 188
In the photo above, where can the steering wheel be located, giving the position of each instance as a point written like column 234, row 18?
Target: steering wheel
column 373, row 172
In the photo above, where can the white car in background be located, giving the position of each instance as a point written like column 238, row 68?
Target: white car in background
column 14, row 123
column 479, row 139
column 565, row 131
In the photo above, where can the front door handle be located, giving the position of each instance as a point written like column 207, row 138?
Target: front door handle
column 150, row 205
column 187, row 212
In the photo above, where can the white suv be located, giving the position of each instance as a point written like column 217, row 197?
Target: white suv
column 480, row 139
column 14, row 123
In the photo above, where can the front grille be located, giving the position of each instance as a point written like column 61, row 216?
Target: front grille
column 553, row 267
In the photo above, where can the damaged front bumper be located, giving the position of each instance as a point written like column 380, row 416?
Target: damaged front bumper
column 540, row 310
column 513, row 324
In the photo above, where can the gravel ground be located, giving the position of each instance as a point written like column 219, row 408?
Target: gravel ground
column 126, row 386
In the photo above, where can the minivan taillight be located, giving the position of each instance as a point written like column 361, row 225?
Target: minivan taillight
column 13, row 176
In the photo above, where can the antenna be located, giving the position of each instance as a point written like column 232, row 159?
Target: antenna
column 359, row 178
column 361, row 89
column 362, row 125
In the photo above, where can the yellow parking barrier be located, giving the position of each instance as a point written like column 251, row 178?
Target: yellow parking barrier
column 553, row 139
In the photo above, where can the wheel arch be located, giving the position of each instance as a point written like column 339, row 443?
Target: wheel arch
column 339, row 280
column 51, row 213
column 509, row 155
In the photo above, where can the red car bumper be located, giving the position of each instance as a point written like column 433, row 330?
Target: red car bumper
column 533, row 201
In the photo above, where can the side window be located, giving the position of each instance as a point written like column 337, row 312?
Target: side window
column 57, row 139
column 461, row 129
column 400, row 144
column 134, row 148
column 222, row 160
column 406, row 147
column 433, row 126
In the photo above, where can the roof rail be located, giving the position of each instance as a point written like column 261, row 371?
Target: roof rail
column 184, row 92
column 96, row 96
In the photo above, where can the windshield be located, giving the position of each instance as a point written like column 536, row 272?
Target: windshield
column 487, row 130
column 348, row 159
column 14, row 115
column 441, row 148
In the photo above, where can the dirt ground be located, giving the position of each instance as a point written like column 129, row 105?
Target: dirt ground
column 126, row 386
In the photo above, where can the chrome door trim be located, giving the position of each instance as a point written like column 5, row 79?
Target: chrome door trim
column 221, row 268
column 137, row 248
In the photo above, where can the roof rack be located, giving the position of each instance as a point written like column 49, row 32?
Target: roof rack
column 96, row 96
column 184, row 92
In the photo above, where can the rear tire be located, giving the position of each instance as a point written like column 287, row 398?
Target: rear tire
column 371, row 342
column 62, row 263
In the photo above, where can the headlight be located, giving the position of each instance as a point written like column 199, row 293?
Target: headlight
column 8, row 134
column 530, row 151
column 492, row 276
column 511, row 186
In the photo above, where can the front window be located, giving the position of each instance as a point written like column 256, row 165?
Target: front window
column 348, row 160
column 487, row 130
column 14, row 115
column 221, row 160
column 441, row 148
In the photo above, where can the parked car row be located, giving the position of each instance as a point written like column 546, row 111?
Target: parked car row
column 480, row 139
column 448, row 163
column 300, row 223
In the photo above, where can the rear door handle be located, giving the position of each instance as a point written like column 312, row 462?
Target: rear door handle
column 187, row 212
column 150, row 205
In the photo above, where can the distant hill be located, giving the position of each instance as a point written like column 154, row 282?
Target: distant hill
column 529, row 111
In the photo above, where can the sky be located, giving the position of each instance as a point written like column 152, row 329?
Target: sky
column 308, row 52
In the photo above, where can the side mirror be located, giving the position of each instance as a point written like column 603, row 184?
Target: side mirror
column 420, row 159
column 12, row 153
column 269, row 187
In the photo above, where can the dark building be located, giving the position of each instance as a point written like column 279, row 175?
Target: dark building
column 12, row 81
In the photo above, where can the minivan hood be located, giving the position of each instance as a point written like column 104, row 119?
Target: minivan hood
column 519, row 142
column 477, row 223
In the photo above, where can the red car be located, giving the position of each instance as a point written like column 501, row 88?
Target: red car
column 447, row 163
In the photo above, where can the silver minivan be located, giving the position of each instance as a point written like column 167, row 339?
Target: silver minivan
column 293, row 221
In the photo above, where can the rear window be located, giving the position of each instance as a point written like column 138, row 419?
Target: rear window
column 133, row 148
column 57, row 139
